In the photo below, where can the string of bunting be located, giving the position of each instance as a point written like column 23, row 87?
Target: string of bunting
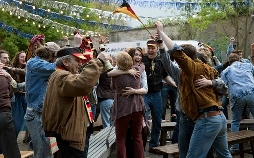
column 55, row 16
column 10, row 29
column 21, row 13
column 168, row 5
column 76, row 10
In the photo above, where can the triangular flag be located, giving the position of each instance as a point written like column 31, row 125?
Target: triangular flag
column 126, row 9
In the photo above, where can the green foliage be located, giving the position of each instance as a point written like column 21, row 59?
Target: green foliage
column 220, row 46
column 14, row 43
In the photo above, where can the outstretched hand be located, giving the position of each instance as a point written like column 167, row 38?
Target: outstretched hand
column 203, row 82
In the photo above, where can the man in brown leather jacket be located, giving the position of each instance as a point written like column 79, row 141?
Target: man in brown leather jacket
column 64, row 115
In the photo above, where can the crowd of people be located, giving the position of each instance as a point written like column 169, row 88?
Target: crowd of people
column 59, row 92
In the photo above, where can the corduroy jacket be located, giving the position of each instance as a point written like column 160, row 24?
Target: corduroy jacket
column 193, row 99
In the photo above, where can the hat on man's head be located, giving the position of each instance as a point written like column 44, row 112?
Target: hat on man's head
column 70, row 51
column 52, row 46
column 151, row 42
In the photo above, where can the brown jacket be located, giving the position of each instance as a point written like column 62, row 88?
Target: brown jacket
column 192, row 99
column 64, row 110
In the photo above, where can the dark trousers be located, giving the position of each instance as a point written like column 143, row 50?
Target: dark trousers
column 65, row 151
column 8, row 139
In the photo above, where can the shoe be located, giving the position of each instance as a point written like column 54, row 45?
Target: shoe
column 154, row 151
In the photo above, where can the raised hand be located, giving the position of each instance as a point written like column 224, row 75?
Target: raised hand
column 159, row 26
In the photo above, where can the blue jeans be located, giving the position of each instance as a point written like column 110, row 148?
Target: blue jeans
column 225, row 102
column 171, row 93
column 186, row 127
column 175, row 135
column 8, row 141
column 18, row 112
column 153, row 104
column 209, row 132
column 237, row 110
column 40, row 141
column 105, row 109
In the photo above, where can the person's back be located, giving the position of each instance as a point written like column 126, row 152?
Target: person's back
column 37, row 74
column 38, row 70
column 127, row 105
column 240, row 81
column 240, row 78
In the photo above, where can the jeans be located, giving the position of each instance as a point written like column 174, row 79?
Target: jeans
column 186, row 127
column 176, row 128
column 8, row 139
column 121, row 125
column 225, row 102
column 209, row 132
column 40, row 141
column 153, row 104
column 105, row 109
column 171, row 93
column 237, row 110
column 18, row 112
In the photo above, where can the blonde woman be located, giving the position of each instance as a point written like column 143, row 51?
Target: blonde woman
column 128, row 107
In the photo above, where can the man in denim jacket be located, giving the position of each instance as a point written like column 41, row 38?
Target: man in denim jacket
column 239, row 78
column 38, row 70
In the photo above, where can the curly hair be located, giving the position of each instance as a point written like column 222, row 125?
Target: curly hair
column 15, row 60
column 207, row 55
column 124, row 61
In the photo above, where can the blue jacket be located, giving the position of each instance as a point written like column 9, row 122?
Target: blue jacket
column 37, row 75
column 239, row 78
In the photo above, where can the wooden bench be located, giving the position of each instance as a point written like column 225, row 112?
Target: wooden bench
column 241, row 137
column 24, row 154
column 244, row 136
column 244, row 124
column 97, row 144
column 169, row 126
column 165, row 127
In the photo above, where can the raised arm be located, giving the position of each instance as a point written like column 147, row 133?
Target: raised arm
column 230, row 46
